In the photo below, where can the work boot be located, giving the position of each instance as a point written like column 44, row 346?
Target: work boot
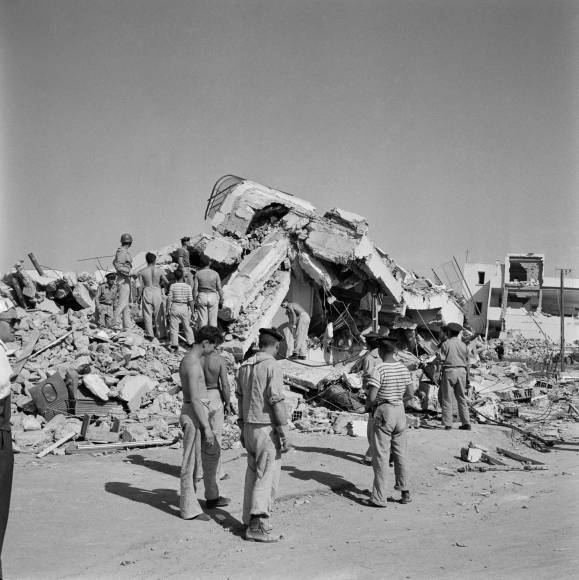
column 211, row 504
column 405, row 497
column 465, row 428
column 258, row 532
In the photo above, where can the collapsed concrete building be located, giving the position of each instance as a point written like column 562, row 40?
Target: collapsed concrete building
column 271, row 246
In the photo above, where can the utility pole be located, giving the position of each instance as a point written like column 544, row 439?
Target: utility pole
column 563, row 272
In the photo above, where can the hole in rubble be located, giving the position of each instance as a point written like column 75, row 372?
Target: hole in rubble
column 267, row 216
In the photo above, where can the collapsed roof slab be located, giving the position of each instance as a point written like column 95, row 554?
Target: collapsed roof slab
column 352, row 220
column 252, row 274
column 244, row 200
column 330, row 243
column 443, row 303
column 375, row 266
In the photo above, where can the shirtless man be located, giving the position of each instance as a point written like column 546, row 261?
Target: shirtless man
column 218, row 393
column 152, row 299
column 197, row 431
column 299, row 321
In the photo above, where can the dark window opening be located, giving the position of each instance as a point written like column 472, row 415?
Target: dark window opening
column 481, row 277
column 478, row 308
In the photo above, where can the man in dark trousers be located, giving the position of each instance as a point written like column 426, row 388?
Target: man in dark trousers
column 6, row 453
column 263, row 424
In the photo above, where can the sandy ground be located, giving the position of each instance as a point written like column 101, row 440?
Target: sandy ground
column 116, row 516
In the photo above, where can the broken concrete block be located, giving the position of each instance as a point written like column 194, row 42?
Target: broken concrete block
column 321, row 275
column 132, row 389
column 217, row 248
column 81, row 341
column 328, row 242
column 31, row 423
column 251, row 275
column 351, row 220
column 30, row 438
column 471, row 454
column 135, row 432
column 96, row 385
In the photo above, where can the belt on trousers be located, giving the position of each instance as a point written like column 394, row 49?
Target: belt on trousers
column 397, row 403
column 454, row 367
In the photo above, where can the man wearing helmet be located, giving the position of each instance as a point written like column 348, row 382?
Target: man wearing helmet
column 123, row 264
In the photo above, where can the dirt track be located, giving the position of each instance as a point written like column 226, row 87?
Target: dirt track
column 116, row 516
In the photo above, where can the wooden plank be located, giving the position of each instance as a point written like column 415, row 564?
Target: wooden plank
column 518, row 457
column 118, row 446
column 54, row 446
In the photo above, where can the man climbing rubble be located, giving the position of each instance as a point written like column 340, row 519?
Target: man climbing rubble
column 105, row 301
column 263, row 424
column 218, row 393
column 183, row 259
column 454, row 357
column 153, row 301
column 207, row 293
column 390, row 384
column 299, row 321
column 197, row 432
column 181, row 307
column 123, row 264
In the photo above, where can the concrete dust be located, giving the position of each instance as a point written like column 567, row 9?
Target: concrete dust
column 116, row 516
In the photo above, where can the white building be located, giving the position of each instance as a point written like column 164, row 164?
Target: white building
column 516, row 297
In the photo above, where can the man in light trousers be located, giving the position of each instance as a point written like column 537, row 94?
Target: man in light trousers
column 180, row 305
column 390, row 384
column 197, row 433
column 263, row 422
column 123, row 264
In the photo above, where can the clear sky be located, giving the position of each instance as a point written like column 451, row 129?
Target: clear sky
column 450, row 124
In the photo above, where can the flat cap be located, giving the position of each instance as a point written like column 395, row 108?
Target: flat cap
column 110, row 275
column 453, row 326
column 272, row 332
column 372, row 336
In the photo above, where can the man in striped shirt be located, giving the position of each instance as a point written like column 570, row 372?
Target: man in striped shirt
column 180, row 306
column 389, row 385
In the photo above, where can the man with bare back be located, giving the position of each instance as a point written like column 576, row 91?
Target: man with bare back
column 197, row 431
column 152, row 299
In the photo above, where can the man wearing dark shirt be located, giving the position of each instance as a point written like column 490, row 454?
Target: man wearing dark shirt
column 105, row 301
column 183, row 259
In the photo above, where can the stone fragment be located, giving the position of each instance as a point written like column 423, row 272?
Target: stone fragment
column 96, row 385
column 135, row 432
column 132, row 389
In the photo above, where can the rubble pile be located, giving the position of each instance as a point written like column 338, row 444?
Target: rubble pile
column 66, row 368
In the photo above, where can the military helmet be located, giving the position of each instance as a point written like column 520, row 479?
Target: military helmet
column 126, row 239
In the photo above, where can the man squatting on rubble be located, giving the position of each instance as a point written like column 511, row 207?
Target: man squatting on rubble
column 263, row 424
column 105, row 301
column 197, row 431
column 207, row 293
column 454, row 355
column 181, row 307
column 123, row 264
column 184, row 261
column 299, row 321
column 389, row 385
column 6, row 452
column 218, row 394
column 369, row 363
column 153, row 301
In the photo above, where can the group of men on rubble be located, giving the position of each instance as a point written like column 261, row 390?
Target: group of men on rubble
column 189, row 295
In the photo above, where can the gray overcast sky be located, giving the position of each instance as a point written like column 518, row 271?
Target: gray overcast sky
column 450, row 124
